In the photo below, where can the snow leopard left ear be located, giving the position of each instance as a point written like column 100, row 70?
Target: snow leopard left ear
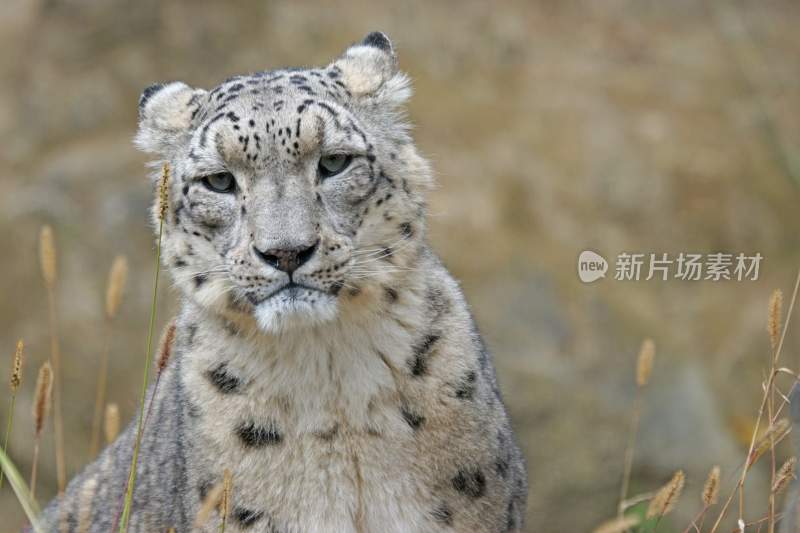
column 166, row 113
column 369, row 69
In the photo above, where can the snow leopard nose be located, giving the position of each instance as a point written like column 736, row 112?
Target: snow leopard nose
column 286, row 259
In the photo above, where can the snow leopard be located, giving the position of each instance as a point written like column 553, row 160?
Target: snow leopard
column 324, row 358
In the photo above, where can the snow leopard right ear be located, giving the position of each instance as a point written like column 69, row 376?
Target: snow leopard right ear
column 370, row 71
column 166, row 114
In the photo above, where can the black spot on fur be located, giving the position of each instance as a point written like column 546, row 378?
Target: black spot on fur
column 378, row 40
column 222, row 380
column 191, row 331
column 511, row 521
column 199, row 280
column 419, row 367
column 330, row 434
column 203, row 488
column 501, row 465
column 420, row 352
column 412, row 419
column 406, row 229
column 255, row 436
column 391, row 294
column 193, row 410
column 148, row 93
column 471, row 483
column 336, row 287
column 443, row 514
column 466, row 389
column 247, row 517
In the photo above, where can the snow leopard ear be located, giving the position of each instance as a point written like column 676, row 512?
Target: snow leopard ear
column 166, row 113
column 369, row 69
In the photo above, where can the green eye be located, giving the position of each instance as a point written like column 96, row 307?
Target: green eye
column 330, row 165
column 224, row 182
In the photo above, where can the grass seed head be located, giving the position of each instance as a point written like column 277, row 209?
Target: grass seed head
column 85, row 500
column 784, row 476
column 117, row 277
column 163, row 192
column 711, row 487
column 644, row 366
column 211, row 502
column 167, row 343
column 111, row 422
column 774, row 318
column 772, row 436
column 47, row 255
column 16, row 371
column 618, row 525
column 667, row 496
column 227, row 485
column 41, row 405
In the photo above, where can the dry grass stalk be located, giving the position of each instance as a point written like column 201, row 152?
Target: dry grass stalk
column 128, row 501
column 111, row 424
column 666, row 498
column 225, row 505
column 14, row 382
column 784, row 476
column 644, row 366
column 709, row 497
column 644, row 369
column 211, row 502
column 618, row 525
column 774, row 318
column 116, row 285
column 773, row 435
column 41, row 408
column 85, row 500
column 47, row 258
column 711, row 488
column 165, row 352
column 769, row 390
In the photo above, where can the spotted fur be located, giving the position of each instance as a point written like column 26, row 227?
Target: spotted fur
column 324, row 356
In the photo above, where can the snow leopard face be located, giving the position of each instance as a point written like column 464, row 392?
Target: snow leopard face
column 291, row 191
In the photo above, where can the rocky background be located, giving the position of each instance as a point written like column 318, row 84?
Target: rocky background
column 554, row 127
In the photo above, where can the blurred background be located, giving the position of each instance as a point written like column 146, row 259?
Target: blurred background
column 553, row 126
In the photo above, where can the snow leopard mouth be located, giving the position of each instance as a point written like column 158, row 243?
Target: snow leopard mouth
column 291, row 291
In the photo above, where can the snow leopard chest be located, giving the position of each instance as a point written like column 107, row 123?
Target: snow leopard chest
column 316, row 438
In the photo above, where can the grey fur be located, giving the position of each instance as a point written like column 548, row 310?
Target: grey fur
column 361, row 399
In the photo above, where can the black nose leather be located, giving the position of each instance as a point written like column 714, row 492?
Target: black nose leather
column 286, row 259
